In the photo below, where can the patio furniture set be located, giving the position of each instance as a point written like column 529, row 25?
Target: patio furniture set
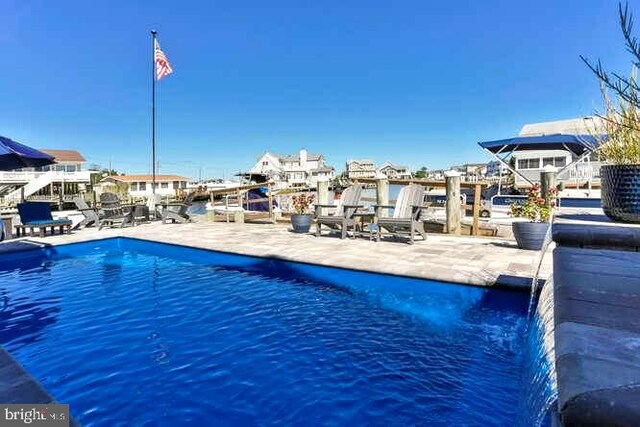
column 404, row 221
column 36, row 217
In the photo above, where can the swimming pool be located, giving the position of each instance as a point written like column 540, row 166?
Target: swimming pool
column 134, row 332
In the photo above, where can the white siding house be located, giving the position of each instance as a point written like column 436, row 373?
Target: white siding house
column 62, row 179
column 394, row 171
column 530, row 163
column 299, row 170
column 139, row 186
column 361, row 168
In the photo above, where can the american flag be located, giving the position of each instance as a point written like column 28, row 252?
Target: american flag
column 163, row 68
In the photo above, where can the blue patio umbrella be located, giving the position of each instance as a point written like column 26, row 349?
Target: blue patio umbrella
column 14, row 155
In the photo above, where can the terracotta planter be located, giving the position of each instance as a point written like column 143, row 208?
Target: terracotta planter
column 530, row 235
column 621, row 192
column 301, row 223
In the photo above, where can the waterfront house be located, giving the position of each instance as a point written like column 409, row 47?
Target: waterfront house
column 360, row 168
column 297, row 170
column 140, row 186
column 436, row 174
column 471, row 172
column 60, row 181
column 394, row 171
column 495, row 169
column 530, row 163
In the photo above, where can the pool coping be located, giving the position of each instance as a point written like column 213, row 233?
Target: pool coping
column 597, row 297
column 503, row 281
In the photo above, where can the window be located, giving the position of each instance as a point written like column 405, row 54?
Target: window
column 164, row 185
column 70, row 168
column 142, row 186
column 554, row 161
column 265, row 163
column 528, row 163
column 134, row 186
column 176, row 185
column 60, row 168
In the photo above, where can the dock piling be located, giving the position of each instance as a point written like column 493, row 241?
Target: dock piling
column 322, row 187
column 382, row 193
column 452, row 182
column 547, row 182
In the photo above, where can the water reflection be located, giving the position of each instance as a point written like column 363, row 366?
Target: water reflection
column 23, row 320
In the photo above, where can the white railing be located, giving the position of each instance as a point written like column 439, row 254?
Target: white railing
column 38, row 180
column 582, row 172
column 28, row 176
column 578, row 172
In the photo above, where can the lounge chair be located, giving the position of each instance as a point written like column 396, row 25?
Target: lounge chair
column 114, row 213
column 406, row 214
column 38, row 215
column 91, row 216
column 177, row 212
column 344, row 216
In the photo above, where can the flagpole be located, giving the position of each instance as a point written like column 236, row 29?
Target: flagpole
column 153, row 113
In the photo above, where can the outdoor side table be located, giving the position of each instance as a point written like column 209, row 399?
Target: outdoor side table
column 366, row 220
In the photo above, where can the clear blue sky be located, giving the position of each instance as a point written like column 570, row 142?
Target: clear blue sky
column 414, row 82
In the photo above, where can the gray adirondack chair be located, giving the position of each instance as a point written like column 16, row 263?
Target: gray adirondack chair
column 115, row 214
column 177, row 212
column 91, row 217
column 344, row 216
column 405, row 219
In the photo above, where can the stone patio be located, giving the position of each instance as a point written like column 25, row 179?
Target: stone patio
column 470, row 260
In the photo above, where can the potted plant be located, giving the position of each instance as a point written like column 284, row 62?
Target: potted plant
column 619, row 147
column 620, row 173
column 531, row 234
column 301, row 218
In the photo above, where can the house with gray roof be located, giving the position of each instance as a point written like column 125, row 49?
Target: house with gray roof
column 303, row 169
column 395, row 171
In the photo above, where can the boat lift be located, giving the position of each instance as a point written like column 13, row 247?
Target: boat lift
column 581, row 146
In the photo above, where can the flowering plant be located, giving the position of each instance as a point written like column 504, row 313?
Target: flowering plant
column 535, row 206
column 301, row 203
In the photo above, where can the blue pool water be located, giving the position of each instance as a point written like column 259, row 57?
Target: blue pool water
column 136, row 333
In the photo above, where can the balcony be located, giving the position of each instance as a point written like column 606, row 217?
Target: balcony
column 23, row 177
column 578, row 173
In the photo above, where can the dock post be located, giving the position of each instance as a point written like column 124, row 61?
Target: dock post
column 382, row 192
column 452, row 182
column 322, row 187
column 271, row 214
column 477, row 193
column 547, row 182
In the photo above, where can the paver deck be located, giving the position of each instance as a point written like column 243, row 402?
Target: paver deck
column 469, row 260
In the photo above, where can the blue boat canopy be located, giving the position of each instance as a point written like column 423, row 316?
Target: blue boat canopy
column 577, row 144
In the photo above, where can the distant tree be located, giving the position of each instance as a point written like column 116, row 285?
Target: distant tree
column 421, row 173
column 110, row 172
column 340, row 181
